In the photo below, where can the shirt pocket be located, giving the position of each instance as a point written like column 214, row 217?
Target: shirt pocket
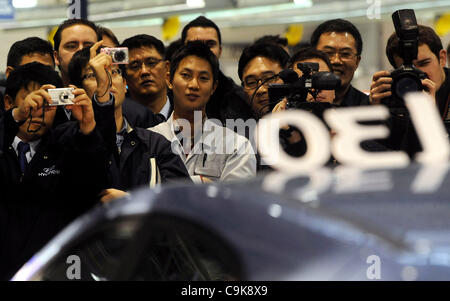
column 210, row 166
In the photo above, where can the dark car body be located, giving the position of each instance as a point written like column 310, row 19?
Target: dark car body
column 341, row 224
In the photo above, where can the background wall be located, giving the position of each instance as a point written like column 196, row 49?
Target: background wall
column 236, row 36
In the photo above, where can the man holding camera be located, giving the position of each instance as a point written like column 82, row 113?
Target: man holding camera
column 48, row 176
column 431, row 59
column 430, row 62
column 259, row 65
column 137, row 156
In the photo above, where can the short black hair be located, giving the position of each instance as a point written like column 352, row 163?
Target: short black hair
column 144, row 40
column 28, row 46
column 23, row 75
column 72, row 22
column 103, row 31
column 200, row 22
column 427, row 36
column 309, row 53
column 172, row 48
column 268, row 50
column 338, row 25
column 276, row 39
column 198, row 49
column 78, row 62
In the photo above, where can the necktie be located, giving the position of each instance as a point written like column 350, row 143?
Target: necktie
column 23, row 148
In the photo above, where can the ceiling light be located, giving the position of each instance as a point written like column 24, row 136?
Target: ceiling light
column 306, row 3
column 195, row 3
column 24, row 3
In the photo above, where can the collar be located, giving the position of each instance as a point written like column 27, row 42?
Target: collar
column 126, row 127
column 165, row 111
column 33, row 145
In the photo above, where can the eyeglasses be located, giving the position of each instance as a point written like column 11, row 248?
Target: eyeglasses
column 253, row 82
column 149, row 63
column 344, row 55
column 91, row 75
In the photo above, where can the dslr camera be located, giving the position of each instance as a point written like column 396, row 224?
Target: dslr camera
column 407, row 78
column 61, row 96
column 296, row 89
column 119, row 55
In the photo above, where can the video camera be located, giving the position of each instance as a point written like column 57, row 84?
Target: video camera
column 407, row 78
column 296, row 89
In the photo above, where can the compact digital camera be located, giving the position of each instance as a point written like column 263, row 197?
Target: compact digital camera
column 61, row 96
column 119, row 55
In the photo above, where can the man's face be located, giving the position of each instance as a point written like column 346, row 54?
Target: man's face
column 73, row 38
column 118, row 87
column 192, row 84
column 40, row 122
column 208, row 35
column 146, row 72
column 428, row 63
column 341, row 49
column 323, row 95
column 259, row 68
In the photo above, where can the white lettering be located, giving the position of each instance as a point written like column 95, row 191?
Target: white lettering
column 345, row 145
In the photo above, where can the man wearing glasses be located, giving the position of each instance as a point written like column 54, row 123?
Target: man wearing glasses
column 259, row 63
column 137, row 157
column 342, row 42
column 146, row 73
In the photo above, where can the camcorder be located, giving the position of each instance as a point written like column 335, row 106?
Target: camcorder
column 296, row 89
column 119, row 55
column 61, row 96
column 407, row 78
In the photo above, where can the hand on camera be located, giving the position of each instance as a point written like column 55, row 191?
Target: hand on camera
column 82, row 110
column 101, row 66
column 36, row 102
column 380, row 87
column 429, row 88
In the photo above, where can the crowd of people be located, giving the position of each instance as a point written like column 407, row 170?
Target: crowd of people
column 162, row 116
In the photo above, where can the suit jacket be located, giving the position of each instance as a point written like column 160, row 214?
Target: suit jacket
column 139, row 115
column 145, row 159
column 62, row 181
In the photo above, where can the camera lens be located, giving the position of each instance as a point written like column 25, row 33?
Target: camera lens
column 406, row 85
column 64, row 97
column 119, row 56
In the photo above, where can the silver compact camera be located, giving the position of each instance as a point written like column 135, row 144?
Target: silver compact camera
column 119, row 55
column 61, row 96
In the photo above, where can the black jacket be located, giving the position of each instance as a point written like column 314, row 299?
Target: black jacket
column 403, row 135
column 62, row 181
column 229, row 101
column 138, row 115
column 443, row 94
column 145, row 159
column 354, row 97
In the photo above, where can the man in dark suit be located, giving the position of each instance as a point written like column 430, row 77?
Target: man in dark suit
column 48, row 176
